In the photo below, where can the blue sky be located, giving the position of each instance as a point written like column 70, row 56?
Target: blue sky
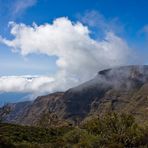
column 110, row 33
column 131, row 15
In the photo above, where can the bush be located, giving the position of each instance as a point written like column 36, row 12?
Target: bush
column 111, row 131
column 116, row 129
column 80, row 138
column 5, row 143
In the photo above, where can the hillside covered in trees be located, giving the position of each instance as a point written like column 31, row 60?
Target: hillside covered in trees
column 111, row 130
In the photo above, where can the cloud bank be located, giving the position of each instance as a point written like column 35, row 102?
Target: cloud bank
column 79, row 56
column 24, row 84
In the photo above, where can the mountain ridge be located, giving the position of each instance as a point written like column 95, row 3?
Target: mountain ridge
column 121, row 89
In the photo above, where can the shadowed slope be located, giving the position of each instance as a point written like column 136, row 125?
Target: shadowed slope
column 123, row 89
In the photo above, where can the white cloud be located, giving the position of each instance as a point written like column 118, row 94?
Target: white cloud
column 24, row 83
column 80, row 57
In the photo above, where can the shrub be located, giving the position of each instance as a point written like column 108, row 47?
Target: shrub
column 111, row 131
column 116, row 129
column 80, row 138
column 5, row 143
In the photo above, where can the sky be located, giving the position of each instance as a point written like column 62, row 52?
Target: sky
column 52, row 45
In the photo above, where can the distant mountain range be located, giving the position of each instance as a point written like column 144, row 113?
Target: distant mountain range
column 122, row 89
column 11, row 97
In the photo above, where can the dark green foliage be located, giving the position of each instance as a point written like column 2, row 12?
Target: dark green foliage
column 80, row 138
column 25, row 134
column 111, row 131
column 5, row 143
column 115, row 129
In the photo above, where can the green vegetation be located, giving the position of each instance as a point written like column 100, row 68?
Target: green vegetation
column 26, row 135
column 112, row 131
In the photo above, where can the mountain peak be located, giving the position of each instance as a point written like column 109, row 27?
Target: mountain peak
column 121, row 89
column 131, row 69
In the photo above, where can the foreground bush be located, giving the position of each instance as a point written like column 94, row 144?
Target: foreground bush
column 5, row 143
column 110, row 131
column 115, row 129
column 80, row 138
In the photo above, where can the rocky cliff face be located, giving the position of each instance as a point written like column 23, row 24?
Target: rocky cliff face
column 123, row 89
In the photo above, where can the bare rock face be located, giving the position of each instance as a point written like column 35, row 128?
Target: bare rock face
column 31, row 113
column 123, row 89
column 13, row 112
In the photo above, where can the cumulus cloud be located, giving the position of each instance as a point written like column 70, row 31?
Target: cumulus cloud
column 79, row 56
